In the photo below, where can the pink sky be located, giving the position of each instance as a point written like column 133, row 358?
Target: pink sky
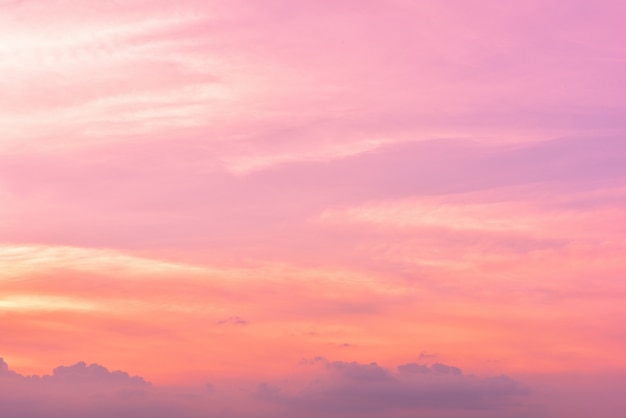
column 381, row 208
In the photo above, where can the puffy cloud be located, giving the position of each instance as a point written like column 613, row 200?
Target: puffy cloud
column 360, row 372
column 5, row 373
column 72, row 382
column 80, row 374
column 437, row 368
column 353, row 387
column 336, row 388
column 82, row 390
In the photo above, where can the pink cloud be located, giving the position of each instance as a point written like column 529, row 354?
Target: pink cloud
column 346, row 179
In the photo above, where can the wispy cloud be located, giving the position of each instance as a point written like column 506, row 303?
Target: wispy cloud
column 356, row 180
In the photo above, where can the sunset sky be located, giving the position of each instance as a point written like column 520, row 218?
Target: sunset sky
column 312, row 208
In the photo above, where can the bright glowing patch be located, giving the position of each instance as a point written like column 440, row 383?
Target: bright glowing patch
column 44, row 303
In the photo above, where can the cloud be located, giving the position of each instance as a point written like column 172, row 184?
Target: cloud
column 424, row 355
column 353, row 387
column 233, row 320
column 82, row 390
column 336, row 388
column 79, row 376
column 360, row 372
column 353, row 168
column 437, row 369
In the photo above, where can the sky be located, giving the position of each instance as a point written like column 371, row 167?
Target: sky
column 273, row 208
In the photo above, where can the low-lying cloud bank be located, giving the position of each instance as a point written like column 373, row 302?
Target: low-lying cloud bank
column 82, row 390
column 331, row 388
column 354, row 389
column 80, row 373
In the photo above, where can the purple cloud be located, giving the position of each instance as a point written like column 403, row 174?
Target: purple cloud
column 233, row 320
column 356, row 388
column 79, row 374
column 83, row 390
